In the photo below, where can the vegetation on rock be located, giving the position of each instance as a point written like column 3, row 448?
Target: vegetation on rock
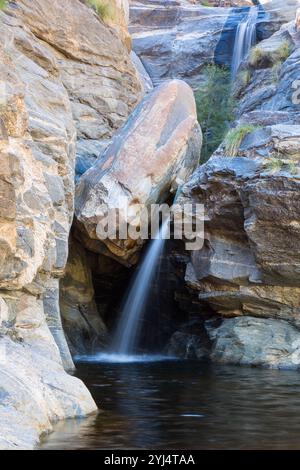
column 215, row 106
column 236, row 136
column 260, row 57
column 104, row 9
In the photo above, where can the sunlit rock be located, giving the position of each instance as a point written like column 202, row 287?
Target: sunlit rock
column 149, row 158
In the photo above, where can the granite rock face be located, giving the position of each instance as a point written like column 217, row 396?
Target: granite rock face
column 94, row 65
column 153, row 153
column 60, row 81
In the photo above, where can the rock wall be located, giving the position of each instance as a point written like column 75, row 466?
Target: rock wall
column 248, row 270
column 178, row 39
column 65, row 78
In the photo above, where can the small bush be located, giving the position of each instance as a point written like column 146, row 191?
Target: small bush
column 215, row 108
column 3, row 4
column 263, row 58
column 293, row 168
column 283, row 52
column 235, row 137
column 244, row 77
column 274, row 165
column 256, row 56
column 104, row 9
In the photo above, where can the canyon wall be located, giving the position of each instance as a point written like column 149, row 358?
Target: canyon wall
column 246, row 277
column 66, row 78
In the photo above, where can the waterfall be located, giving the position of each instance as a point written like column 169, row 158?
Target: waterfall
column 127, row 333
column 245, row 38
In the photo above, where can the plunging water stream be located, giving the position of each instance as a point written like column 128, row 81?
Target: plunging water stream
column 126, row 336
column 245, row 38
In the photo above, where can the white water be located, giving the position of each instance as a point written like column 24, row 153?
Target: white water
column 128, row 330
column 112, row 358
column 245, row 38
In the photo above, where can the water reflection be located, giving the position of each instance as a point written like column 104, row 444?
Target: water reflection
column 186, row 405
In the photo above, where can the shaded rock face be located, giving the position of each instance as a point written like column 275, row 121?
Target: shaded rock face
column 83, row 327
column 59, row 81
column 249, row 265
column 178, row 39
column 154, row 152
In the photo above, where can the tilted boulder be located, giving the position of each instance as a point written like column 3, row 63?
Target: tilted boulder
column 149, row 158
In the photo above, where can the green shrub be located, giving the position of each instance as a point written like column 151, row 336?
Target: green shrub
column 215, row 107
column 256, row 56
column 283, row 52
column 293, row 168
column 104, row 9
column 235, row 137
column 244, row 77
column 260, row 57
column 274, row 164
column 3, row 4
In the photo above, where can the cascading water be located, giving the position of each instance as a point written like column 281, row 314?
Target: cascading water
column 127, row 333
column 245, row 38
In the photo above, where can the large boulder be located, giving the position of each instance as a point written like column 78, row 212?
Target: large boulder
column 149, row 158
column 256, row 342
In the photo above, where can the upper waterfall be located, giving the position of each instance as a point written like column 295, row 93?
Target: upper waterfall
column 245, row 38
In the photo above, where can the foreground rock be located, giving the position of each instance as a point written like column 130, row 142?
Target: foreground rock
column 148, row 159
column 256, row 342
column 35, row 389
column 64, row 75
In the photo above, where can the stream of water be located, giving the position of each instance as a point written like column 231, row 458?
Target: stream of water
column 127, row 334
column 245, row 38
column 184, row 405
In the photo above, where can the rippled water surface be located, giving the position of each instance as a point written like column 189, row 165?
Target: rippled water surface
column 184, row 405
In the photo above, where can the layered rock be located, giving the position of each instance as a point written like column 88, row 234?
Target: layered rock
column 64, row 75
column 178, row 39
column 149, row 158
column 250, row 263
column 94, row 66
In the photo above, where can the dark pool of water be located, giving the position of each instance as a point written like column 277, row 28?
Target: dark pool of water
column 184, row 405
